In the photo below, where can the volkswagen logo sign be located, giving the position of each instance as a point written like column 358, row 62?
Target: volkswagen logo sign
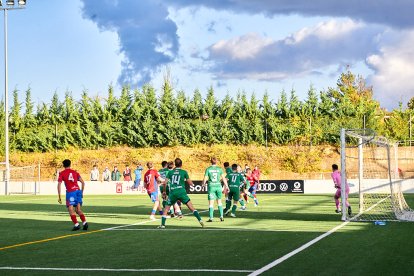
column 284, row 187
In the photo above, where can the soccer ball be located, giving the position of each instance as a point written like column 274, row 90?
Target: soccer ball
column 243, row 208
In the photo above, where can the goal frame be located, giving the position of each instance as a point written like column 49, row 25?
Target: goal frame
column 394, row 198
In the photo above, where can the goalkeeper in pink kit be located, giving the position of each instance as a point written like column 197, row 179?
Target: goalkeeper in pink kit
column 336, row 177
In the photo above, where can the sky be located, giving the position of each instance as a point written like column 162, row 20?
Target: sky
column 261, row 46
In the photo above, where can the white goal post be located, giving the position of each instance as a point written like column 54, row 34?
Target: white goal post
column 22, row 180
column 371, row 162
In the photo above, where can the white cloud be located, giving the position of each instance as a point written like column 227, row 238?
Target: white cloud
column 328, row 30
column 243, row 47
column 394, row 71
column 310, row 49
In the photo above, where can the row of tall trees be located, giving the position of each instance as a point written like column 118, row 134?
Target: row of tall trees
column 143, row 117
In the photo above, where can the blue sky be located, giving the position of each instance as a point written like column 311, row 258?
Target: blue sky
column 232, row 45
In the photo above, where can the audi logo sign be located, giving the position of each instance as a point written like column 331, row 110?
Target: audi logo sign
column 265, row 186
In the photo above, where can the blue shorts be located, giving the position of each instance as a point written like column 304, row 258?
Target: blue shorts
column 74, row 198
column 253, row 189
column 153, row 196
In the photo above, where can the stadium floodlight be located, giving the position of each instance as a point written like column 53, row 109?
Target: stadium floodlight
column 9, row 6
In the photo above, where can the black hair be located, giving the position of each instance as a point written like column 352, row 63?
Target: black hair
column 66, row 163
column 334, row 166
column 234, row 167
column 226, row 164
column 164, row 164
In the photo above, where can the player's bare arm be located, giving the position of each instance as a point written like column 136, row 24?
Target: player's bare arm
column 224, row 179
column 58, row 188
column 205, row 179
column 83, row 183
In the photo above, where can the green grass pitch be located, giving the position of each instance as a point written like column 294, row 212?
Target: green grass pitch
column 35, row 239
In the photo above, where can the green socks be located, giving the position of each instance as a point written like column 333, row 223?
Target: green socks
column 197, row 215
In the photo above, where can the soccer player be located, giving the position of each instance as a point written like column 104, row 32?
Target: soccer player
column 336, row 177
column 235, row 181
column 243, row 189
column 151, row 179
column 74, row 194
column 253, row 185
column 227, row 170
column 177, row 178
column 163, row 172
column 213, row 177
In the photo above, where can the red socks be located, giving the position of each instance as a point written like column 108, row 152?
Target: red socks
column 73, row 218
column 82, row 217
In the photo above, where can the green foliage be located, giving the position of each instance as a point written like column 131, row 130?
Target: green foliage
column 147, row 118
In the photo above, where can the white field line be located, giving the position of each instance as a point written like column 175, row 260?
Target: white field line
column 308, row 244
column 122, row 269
column 148, row 221
column 215, row 229
column 296, row 251
column 20, row 200
column 142, row 222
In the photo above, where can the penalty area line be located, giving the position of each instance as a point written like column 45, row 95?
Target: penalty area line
column 123, row 269
column 296, row 251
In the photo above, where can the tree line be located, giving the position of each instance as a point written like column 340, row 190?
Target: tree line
column 145, row 118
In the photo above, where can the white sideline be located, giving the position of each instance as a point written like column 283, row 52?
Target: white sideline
column 143, row 222
column 296, row 251
column 215, row 229
column 121, row 269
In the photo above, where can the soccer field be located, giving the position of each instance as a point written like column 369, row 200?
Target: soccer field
column 35, row 239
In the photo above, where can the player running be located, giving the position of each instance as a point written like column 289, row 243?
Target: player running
column 235, row 181
column 177, row 178
column 151, row 179
column 253, row 185
column 336, row 177
column 74, row 194
column 213, row 177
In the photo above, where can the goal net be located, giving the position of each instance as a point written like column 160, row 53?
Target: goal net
column 22, row 180
column 370, row 164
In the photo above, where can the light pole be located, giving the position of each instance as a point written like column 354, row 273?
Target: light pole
column 265, row 116
column 5, row 6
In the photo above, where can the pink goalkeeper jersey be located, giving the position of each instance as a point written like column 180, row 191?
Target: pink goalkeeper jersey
column 336, row 177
